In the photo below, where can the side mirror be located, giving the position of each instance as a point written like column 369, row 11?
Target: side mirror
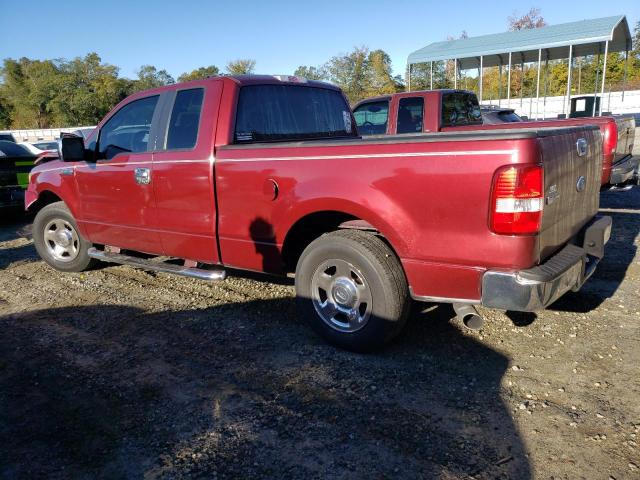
column 71, row 148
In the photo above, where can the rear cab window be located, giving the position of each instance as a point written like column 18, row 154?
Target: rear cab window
column 460, row 108
column 272, row 113
column 410, row 115
column 371, row 118
column 185, row 119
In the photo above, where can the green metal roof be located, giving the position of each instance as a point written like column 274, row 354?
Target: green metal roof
column 586, row 36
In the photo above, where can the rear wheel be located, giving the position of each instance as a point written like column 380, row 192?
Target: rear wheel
column 351, row 289
column 57, row 240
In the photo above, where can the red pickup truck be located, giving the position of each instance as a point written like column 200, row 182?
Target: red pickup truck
column 268, row 174
column 430, row 111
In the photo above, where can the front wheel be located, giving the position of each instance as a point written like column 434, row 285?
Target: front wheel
column 57, row 240
column 351, row 289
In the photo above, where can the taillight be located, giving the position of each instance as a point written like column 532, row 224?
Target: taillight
column 517, row 199
column 610, row 139
column 610, row 142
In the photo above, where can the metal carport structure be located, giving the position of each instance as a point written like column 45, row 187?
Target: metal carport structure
column 568, row 40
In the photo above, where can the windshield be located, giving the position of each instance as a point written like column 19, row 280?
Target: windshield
column 291, row 112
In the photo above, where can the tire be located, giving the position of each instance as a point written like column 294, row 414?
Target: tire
column 351, row 290
column 66, row 252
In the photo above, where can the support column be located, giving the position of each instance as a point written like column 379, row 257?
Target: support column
column 626, row 65
column 604, row 75
column 509, row 83
column 409, row 79
column 546, row 84
column 480, row 89
column 568, row 100
column 455, row 73
column 538, row 83
column 500, row 82
column 595, row 84
column 431, row 77
column 579, row 62
column 521, row 79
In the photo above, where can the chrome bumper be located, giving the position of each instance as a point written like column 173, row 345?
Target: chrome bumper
column 536, row 288
column 625, row 171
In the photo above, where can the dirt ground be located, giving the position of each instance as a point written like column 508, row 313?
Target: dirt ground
column 119, row 373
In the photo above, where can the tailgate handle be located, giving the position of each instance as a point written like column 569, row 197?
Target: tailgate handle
column 581, row 146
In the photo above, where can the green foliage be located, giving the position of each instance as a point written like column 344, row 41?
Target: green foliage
column 53, row 93
column 5, row 115
column 311, row 73
column 150, row 77
column 241, row 67
column 360, row 73
column 87, row 90
column 199, row 73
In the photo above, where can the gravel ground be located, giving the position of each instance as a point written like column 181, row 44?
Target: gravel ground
column 118, row 373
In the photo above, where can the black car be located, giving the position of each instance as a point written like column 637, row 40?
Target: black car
column 16, row 162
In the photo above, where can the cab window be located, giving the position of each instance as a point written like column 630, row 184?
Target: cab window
column 284, row 113
column 410, row 114
column 459, row 108
column 185, row 117
column 128, row 130
column 371, row 118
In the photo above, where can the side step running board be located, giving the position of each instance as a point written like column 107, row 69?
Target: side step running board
column 199, row 273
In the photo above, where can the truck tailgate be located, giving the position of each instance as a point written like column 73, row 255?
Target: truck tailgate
column 626, row 133
column 572, row 159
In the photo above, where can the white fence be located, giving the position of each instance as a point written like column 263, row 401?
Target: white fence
column 38, row 134
column 551, row 107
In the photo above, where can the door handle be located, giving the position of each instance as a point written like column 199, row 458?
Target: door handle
column 143, row 176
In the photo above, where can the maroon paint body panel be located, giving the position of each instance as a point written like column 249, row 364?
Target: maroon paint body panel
column 234, row 205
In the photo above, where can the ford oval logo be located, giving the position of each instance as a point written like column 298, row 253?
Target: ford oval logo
column 581, row 184
column 581, row 146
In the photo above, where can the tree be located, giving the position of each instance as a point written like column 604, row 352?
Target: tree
column 88, row 90
column 531, row 19
column 381, row 80
column 150, row 77
column 5, row 114
column 241, row 67
column 51, row 93
column 311, row 73
column 350, row 72
column 200, row 73
column 29, row 86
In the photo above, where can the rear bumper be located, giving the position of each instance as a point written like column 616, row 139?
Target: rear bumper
column 536, row 288
column 625, row 171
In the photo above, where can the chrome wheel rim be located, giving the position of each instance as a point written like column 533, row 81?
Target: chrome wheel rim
column 341, row 295
column 61, row 240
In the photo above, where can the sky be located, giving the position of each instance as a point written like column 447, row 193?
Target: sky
column 279, row 34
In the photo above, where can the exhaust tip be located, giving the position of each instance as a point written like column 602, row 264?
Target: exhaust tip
column 469, row 316
column 473, row 321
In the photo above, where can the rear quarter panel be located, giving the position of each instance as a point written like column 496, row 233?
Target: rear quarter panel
column 430, row 200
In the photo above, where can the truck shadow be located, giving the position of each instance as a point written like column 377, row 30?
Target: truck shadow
column 624, row 208
column 244, row 390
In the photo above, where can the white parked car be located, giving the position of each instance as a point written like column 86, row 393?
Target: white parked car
column 42, row 146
